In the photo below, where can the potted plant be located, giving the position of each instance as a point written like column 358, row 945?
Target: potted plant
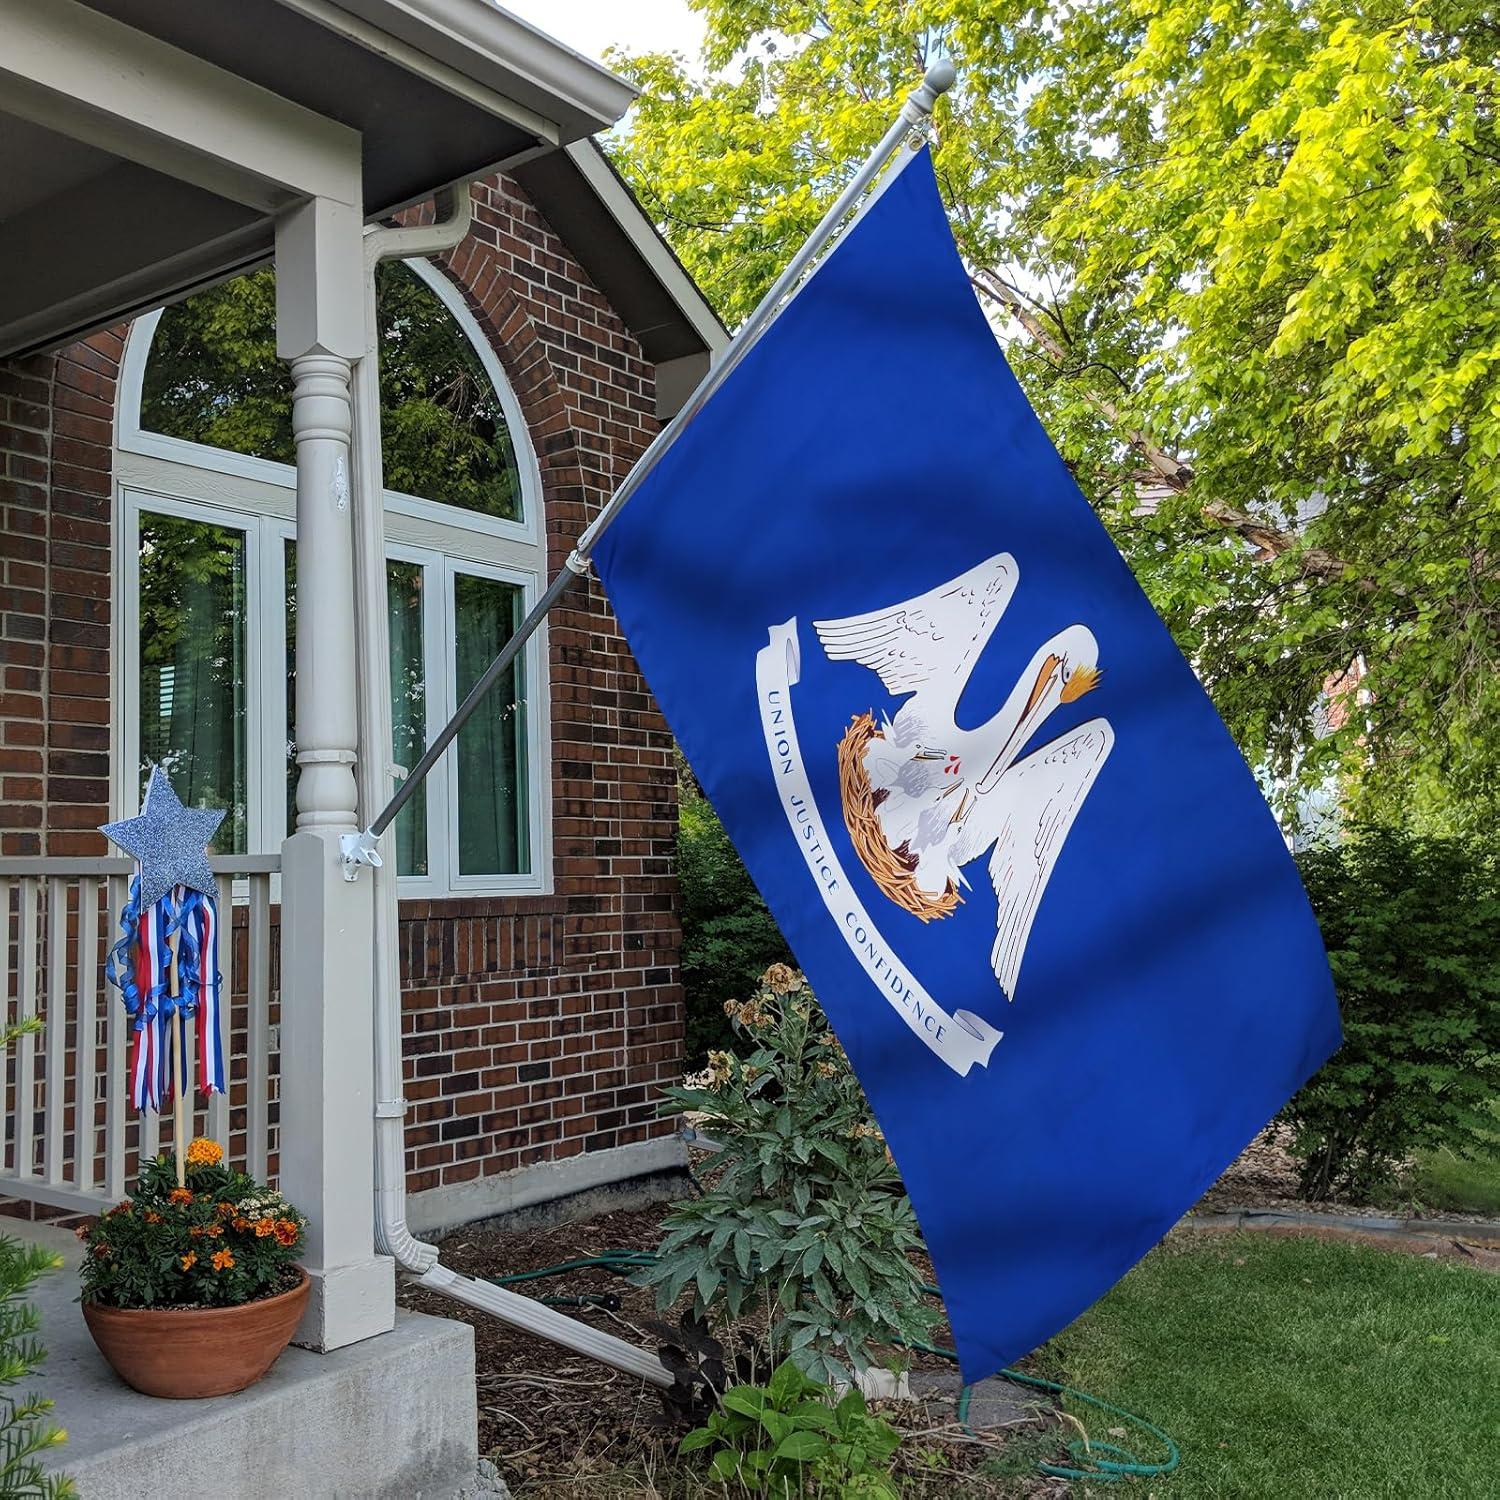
column 194, row 1290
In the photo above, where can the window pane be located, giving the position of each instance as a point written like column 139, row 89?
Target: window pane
column 443, row 433
column 213, row 377
column 192, row 666
column 404, row 582
column 403, row 587
column 493, row 837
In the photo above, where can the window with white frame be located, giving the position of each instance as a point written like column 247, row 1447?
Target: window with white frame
column 207, row 563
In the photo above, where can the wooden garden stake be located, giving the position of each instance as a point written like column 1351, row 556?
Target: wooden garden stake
column 179, row 1073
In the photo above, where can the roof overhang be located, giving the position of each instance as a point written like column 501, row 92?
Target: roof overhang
column 148, row 148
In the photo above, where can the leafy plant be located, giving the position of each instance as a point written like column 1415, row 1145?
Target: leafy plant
column 1240, row 257
column 25, row 1428
column 1410, row 925
column 728, row 936
column 222, row 1240
column 790, row 1436
column 804, row 1219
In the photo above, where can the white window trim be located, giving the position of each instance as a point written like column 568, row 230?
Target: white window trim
column 174, row 477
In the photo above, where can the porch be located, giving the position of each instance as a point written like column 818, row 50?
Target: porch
column 388, row 1417
column 71, row 1144
column 165, row 149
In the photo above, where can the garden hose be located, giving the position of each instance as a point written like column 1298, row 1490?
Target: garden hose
column 1107, row 1463
column 1119, row 1463
column 621, row 1262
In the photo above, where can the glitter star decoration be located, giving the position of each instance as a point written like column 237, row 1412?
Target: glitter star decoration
column 170, row 841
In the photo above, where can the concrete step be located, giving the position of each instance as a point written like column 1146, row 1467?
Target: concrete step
column 392, row 1418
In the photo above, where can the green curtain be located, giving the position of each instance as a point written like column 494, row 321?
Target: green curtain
column 493, row 838
column 192, row 666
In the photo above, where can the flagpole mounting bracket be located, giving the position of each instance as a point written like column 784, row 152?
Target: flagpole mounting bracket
column 357, row 850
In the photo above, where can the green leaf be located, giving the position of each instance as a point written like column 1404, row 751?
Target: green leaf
column 802, row 1447
column 749, row 1399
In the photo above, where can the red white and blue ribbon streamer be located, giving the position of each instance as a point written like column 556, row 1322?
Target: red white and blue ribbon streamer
column 140, row 966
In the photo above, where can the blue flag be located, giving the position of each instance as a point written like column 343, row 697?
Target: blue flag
column 1017, row 854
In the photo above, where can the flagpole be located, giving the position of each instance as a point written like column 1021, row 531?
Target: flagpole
column 360, row 848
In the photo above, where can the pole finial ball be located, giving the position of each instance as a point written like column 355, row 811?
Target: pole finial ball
column 940, row 76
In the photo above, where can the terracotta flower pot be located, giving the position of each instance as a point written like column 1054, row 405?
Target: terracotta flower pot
column 183, row 1352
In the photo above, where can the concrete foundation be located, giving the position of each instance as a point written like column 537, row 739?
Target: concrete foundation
column 390, row 1418
column 593, row 1182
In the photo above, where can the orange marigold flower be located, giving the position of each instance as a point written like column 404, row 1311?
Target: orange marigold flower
column 197, row 1231
column 286, row 1232
column 122, row 1207
column 101, row 1249
column 82, row 1231
column 180, row 1196
column 151, row 1216
column 203, row 1152
column 189, row 1260
column 263, row 1227
column 224, row 1210
column 223, row 1260
column 240, row 1222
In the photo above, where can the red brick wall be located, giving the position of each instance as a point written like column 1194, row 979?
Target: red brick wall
column 536, row 1027
column 55, row 430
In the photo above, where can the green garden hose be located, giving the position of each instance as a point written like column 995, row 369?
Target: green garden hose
column 1107, row 1463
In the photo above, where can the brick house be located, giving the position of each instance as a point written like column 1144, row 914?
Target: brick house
column 177, row 590
column 539, row 1012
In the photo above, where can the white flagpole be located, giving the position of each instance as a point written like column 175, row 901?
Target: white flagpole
column 360, row 848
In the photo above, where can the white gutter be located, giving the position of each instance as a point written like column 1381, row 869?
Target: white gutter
column 392, row 1235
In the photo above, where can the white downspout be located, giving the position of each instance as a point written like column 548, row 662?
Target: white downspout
column 392, row 1235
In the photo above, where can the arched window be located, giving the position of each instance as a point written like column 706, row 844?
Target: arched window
column 208, row 547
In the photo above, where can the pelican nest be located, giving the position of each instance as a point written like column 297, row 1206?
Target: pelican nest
column 893, row 870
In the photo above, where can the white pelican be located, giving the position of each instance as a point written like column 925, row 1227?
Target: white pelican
column 923, row 797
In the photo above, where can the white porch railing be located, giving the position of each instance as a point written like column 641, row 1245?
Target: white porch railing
column 71, row 1138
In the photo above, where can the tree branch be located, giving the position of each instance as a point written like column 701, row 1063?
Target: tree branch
column 1166, row 469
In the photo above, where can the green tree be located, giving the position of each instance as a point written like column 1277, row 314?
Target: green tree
column 1242, row 256
column 1410, row 924
column 728, row 936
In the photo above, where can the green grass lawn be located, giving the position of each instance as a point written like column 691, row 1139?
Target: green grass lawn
column 1291, row 1368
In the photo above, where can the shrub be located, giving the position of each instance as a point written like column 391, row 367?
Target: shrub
column 728, row 936
column 1410, row 924
column 805, row 1220
column 786, row 1436
column 222, row 1240
column 25, row 1429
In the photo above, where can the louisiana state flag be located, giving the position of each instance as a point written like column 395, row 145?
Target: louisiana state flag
column 1017, row 854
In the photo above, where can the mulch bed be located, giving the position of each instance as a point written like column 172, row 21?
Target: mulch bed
column 560, row 1425
column 1265, row 1176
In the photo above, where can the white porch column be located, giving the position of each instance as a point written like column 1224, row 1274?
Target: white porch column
column 327, row 1126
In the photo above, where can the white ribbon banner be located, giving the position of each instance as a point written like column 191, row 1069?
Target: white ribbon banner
column 961, row 1039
